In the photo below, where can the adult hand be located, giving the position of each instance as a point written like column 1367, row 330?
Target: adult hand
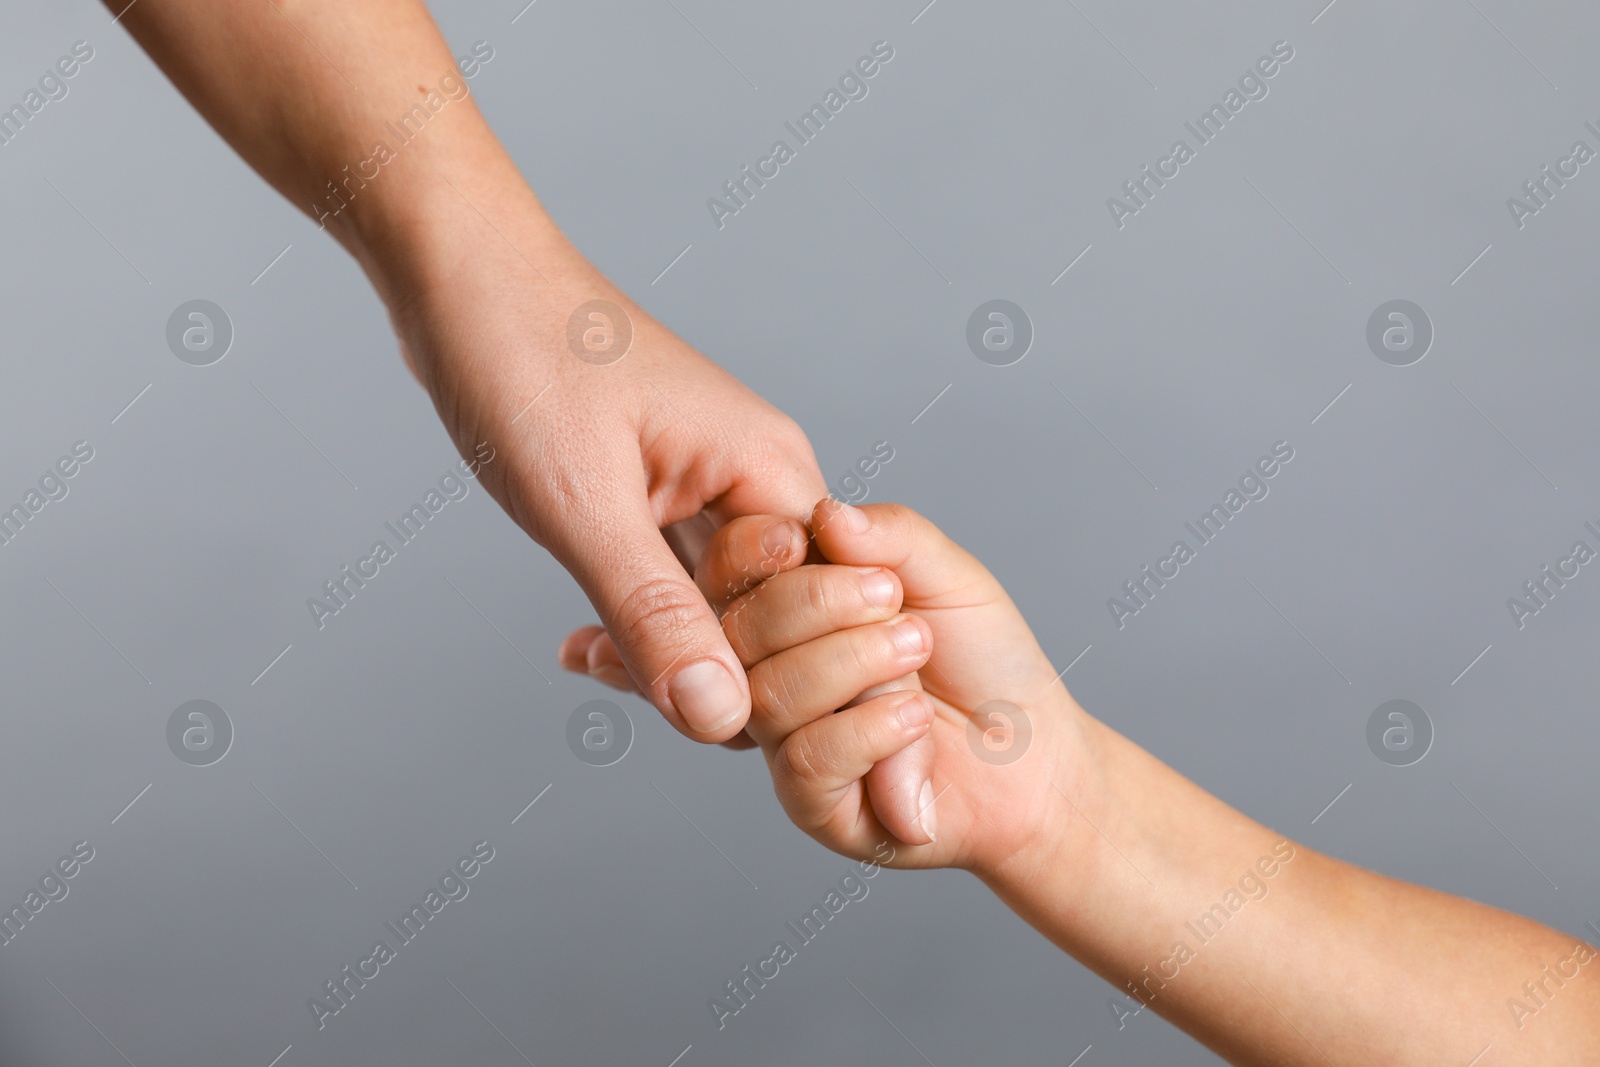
column 594, row 459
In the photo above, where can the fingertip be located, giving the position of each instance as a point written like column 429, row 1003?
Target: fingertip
column 783, row 539
column 880, row 588
column 602, row 652
column 839, row 529
column 927, row 812
column 828, row 511
column 590, row 651
column 573, row 655
column 747, row 551
column 897, row 783
column 710, row 699
column 912, row 637
column 915, row 713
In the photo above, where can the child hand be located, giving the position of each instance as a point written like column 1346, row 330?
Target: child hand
column 1005, row 734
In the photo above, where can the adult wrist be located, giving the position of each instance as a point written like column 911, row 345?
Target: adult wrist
column 447, row 211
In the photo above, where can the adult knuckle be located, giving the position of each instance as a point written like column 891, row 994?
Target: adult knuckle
column 784, row 431
column 657, row 609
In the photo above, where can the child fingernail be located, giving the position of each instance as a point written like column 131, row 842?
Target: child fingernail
column 915, row 712
column 778, row 540
column 928, row 819
column 907, row 635
column 877, row 588
column 855, row 520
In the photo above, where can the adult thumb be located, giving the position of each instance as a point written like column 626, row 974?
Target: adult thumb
column 666, row 632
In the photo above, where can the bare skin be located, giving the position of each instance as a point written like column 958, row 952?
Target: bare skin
column 596, row 461
column 1289, row 957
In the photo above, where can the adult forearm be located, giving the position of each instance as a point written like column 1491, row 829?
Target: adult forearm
column 1274, row 954
column 358, row 113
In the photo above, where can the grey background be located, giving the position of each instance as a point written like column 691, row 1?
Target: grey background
column 1221, row 319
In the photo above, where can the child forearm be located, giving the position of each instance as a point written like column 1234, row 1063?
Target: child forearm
column 1271, row 953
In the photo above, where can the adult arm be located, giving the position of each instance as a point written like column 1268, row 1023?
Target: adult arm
column 356, row 112
column 480, row 284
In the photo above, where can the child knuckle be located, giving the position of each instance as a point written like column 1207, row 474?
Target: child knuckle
column 819, row 596
column 800, row 761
